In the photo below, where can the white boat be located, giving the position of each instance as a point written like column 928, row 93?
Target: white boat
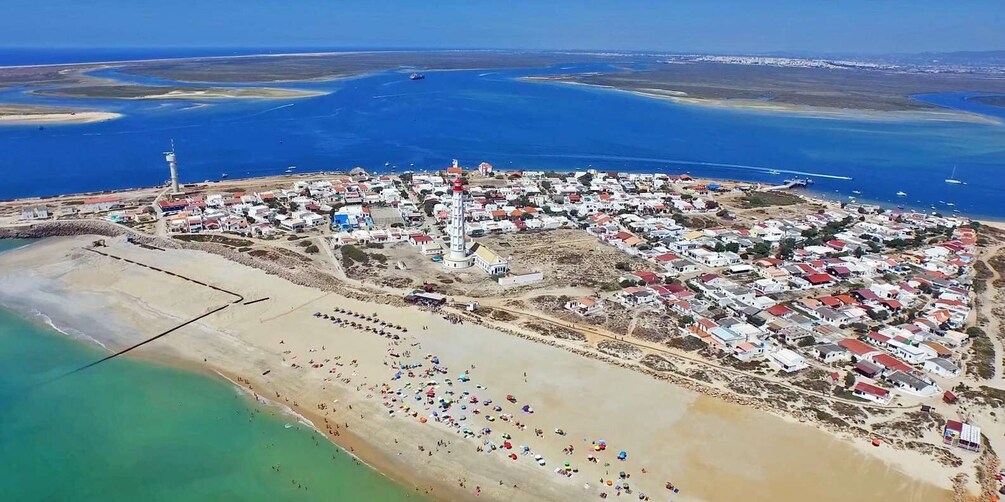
column 291, row 169
column 856, row 192
column 952, row 178
column 901, row 194
column 773, row 171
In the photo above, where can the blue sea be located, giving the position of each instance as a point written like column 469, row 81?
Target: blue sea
column 385, row 119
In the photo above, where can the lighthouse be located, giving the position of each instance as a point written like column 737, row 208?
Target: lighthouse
column 457, row 258
column 173, row 166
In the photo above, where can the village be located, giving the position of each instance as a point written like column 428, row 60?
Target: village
column 878, row 303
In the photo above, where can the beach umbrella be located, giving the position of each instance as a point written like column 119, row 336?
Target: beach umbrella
column 567, row 463
column 622, row 455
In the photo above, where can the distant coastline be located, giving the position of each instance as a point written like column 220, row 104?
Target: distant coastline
column 754, row 105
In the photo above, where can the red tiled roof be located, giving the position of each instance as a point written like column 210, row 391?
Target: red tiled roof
column 891, row 363
column 779, row 310
column 870, row 389
column 856, row 347
column 819, row 278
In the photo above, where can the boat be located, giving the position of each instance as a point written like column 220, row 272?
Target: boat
column 773, row 171
column 799, row 181
column 224, row 176
column 856, row 192
column 416, row 76
column 952, row 178
column 291, row 169
column 901, row 194
column 287, row 426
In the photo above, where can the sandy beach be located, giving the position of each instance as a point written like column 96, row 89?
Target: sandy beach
column 56, row 118
column 341, row 378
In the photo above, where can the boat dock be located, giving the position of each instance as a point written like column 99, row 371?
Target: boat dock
column 793, row 183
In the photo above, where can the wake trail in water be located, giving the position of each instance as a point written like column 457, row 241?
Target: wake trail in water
column 280, row 107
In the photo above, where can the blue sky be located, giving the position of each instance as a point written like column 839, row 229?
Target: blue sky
column 810, row 26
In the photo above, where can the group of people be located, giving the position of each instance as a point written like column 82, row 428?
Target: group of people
column 424, row 392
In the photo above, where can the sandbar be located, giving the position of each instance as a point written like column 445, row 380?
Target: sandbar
column 30, row 115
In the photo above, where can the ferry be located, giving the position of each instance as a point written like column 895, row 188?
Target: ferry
column 952, row 178
column 799, row 181
column 416, row 76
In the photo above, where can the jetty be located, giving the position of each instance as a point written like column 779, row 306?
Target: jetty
column 789, row 184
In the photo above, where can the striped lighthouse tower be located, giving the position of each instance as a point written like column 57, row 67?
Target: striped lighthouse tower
column 457, row 257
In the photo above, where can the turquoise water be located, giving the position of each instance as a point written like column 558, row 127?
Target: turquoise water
column 130, row 430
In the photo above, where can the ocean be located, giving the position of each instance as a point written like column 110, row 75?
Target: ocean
column 133, row 430
column 384, row 120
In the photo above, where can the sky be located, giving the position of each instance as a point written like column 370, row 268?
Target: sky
column 709, row 26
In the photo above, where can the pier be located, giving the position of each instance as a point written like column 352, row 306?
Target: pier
column 789, row 184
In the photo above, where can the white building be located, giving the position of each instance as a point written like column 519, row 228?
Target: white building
column 457, row 256
column 585, row 306
column 788, row 361
column 942, row 367
column 488, row 260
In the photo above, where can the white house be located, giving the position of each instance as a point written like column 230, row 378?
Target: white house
column 831, row 353
column 871, row 393
column 912, row 384
column 942, row 367
column 788, row 361
column 584, row 306
column 488, row 261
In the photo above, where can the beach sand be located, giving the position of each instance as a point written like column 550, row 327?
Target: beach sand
column 710, row 449
column 56, row 118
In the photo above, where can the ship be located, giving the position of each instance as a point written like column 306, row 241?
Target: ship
column 952, row 178
column 799, row 181
column 416, row 76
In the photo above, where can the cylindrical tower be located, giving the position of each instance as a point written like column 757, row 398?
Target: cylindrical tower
column 169, row 156
column 457, row 256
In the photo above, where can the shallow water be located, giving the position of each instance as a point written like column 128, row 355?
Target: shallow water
column 491, row 115
column 132, row 430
